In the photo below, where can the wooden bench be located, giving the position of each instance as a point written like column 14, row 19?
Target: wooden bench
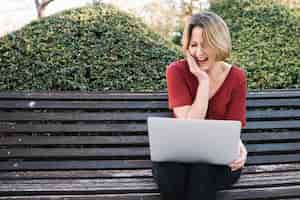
column 95, row 146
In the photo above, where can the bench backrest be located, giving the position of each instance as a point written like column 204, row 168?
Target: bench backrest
column 53, row 131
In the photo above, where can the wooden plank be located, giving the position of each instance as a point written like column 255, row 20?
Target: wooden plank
column 68, row 128
column 131, row 196
column 127, row 116
column 269, row 168
column 268, row 179
column 124, row 127
column 74, row 152
column 119, row 95
column 126, row 151
column 15, row 165
column 108, row 105
column 127, row 105
column 261, row 193
column 80, row 174
column 270, row 136
column 61, row 140
column 134, row 139
column 246, row 181
column 131, row 173
column 273, row 114
column 276, row 147
column 284, row 124
column 65, row 95
column 80, row 116
column 271, row 159
column 224, row 195
column 274, row 93
column 123, row 185
column 104, row 186
column 260, row 103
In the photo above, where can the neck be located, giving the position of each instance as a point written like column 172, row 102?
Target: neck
column 216, row 70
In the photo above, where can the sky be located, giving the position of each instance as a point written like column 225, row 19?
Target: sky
column 16, row 13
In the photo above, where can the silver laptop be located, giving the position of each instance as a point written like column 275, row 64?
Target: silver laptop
column 194, row 140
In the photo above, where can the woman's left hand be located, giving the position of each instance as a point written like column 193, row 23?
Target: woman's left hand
column 240, row 162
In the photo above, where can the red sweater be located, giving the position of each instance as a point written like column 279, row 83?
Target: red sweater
column 228, row 103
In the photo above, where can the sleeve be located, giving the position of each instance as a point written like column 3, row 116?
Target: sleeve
column 236, row 109
column 178, row 93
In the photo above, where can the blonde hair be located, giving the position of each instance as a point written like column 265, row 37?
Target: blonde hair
column 215, row 33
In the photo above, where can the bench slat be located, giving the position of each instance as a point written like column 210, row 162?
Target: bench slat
column 111, row 105
column 240, row 194
column 73, row 152
column 247, row 180
column 127, row 105
column 270, row 136
column 128, row 116
column 125, row 151
column 131, row 173
column 73, row 164
column 131, row 139
column 132, row 196
column 77, row 116
column 125, row 164
column 60, row 140
column 119, row 95
column 67, row 128
column 131, row 184
column 280, row 192
column 126, row 127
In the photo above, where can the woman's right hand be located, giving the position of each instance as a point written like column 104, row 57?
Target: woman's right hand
column 194, row 69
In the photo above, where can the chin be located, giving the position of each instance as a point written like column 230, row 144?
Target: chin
column 204, row 67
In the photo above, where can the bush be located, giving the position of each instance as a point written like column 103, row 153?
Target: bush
column 92, row 48
column 266, row 41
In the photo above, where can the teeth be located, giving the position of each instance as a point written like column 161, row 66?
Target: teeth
column 202, row 59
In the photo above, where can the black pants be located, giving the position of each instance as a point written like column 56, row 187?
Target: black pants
column 191, row 181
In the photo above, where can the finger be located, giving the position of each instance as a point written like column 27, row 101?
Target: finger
column 242, row 162
column 236, row 167
column 236, row 161
column 236, row 164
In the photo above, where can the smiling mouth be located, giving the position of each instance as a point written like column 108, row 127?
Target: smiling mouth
column 202, row 60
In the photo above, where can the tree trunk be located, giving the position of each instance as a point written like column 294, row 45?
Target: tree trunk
column 40, row 7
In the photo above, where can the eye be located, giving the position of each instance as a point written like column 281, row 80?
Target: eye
column 193, row 45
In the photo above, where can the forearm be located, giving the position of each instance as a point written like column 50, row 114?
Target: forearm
column 199, row 107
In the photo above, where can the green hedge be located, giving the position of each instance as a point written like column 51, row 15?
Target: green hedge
column 101, row 48
column 93, row 48
column 266, row 41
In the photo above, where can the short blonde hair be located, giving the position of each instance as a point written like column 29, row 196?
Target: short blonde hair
column 215, row 33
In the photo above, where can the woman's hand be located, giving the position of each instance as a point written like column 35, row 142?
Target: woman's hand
column 194, row 69
column 240, row 162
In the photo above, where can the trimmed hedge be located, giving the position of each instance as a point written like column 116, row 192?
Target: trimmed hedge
column 266, row 41
column 94, row 48
column 101, row 48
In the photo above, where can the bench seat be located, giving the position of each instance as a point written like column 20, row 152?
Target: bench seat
column 66, row 145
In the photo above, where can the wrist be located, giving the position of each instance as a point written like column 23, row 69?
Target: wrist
column 203, row 83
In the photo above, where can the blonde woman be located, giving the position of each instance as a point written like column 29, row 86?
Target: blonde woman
column 203, row 86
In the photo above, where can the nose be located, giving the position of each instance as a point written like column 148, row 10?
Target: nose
column 199, row 51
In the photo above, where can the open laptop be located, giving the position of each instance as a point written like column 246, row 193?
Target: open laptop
column 194, row 140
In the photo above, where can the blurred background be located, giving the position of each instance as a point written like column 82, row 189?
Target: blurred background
column 126, row 44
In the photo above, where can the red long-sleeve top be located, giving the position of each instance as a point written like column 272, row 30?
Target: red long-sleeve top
column 229, row 101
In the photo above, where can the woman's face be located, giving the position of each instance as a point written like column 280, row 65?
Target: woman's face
column 204, row 55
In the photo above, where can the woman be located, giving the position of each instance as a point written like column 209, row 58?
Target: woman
column 203, row 86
